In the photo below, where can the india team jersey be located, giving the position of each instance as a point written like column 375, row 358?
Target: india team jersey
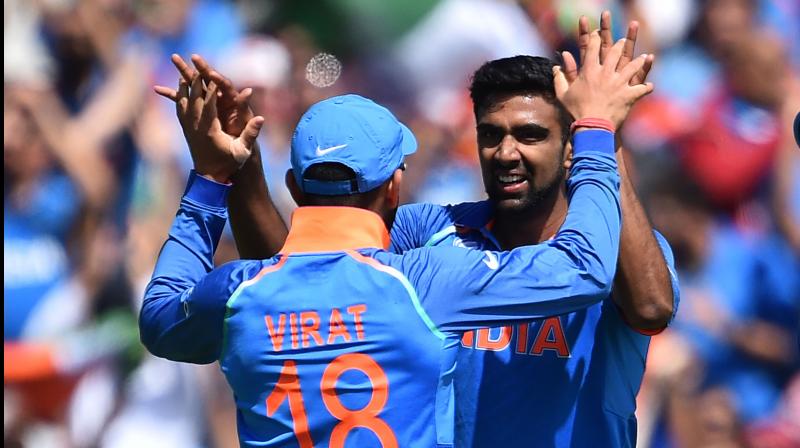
column 338, row 342
column 564, row 381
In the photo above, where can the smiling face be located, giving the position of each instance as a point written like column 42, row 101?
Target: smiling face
column 521, row 152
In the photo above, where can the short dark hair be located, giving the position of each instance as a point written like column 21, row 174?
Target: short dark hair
column 518, row 75
column 336, row 172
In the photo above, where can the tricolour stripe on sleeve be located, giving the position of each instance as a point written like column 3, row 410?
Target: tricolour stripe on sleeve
column 242, row 286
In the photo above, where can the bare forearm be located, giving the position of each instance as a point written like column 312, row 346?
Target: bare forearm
column 81, row 158
column 257, row 226
column 642, row 287
column 116, row 104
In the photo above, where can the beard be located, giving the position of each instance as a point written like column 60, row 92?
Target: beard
column 532, row 200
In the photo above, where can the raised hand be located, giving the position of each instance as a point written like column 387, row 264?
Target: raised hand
column 216, row 154
column 217, row 121
column 257, row 226
column 600, row 90
column 606, row 38
column 233, row 106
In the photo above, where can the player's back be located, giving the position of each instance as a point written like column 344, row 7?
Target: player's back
column 328, row 349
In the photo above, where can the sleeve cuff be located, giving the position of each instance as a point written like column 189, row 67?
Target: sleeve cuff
column 597, row 140
column 205, row 191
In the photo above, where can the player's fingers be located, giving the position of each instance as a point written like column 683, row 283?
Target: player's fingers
column 250, row 132
column 630, row 44
column 183, row 88
column 196, row 92
column 606, row 38
column 211, row 92
column 583, row 37
column 183, row 68
column 570, row 66
column 242, row 100
column 209, row 75
column 641, row 90
column 592, row 51
column 166, row 92
column 202, row 66
column 182, row 104
column 630, row 70
column 613, row 56
column 209, row 113
column 244, row 95
column 641, row 76
column 560, row 82
column 225, row 84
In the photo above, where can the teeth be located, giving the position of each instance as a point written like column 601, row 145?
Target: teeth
column 510, row 179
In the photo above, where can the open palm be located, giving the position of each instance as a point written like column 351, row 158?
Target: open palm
column 216, row 153
column 217, row 122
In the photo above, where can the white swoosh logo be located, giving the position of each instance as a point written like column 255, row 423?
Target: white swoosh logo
column 322, row 152
column 491, row 260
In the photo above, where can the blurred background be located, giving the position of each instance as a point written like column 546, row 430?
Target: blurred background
column 94, row 165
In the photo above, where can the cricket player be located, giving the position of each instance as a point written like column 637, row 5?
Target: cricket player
column 335, row 341
column 565, row 381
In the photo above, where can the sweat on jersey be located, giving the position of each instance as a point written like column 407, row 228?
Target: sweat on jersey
column 336, row 341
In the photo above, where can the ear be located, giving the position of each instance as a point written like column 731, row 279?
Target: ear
column 294, row 189
column 568, row 155
column 393, row 189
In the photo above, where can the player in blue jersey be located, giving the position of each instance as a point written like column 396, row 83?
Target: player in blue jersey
column 335, row 340
column 565, row 381
column 571, row 380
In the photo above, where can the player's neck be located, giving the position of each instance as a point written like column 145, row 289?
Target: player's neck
column 536, row 226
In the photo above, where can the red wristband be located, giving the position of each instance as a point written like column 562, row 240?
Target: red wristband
column 594, row 123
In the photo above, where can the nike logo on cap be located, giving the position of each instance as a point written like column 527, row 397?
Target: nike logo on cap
column 322, row 152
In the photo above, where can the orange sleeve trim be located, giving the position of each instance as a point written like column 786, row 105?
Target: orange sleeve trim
column 644, row 331
column 271, row 268
column 647, row 332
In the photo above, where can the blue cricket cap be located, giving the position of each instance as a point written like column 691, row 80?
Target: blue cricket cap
column 356, row 132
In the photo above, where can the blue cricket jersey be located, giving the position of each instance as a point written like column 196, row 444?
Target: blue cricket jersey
column 336, row 341
column 564, row 381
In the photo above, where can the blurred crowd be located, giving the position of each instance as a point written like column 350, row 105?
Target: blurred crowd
column 95, row 163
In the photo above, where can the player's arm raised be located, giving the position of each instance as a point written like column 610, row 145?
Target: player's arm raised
column 645, row 289
column 257, row 226
column 184, row 305
column 576, row 268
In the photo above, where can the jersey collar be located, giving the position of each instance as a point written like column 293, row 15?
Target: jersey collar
column 478, row 215
column 481, row 219
column 330, row 229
